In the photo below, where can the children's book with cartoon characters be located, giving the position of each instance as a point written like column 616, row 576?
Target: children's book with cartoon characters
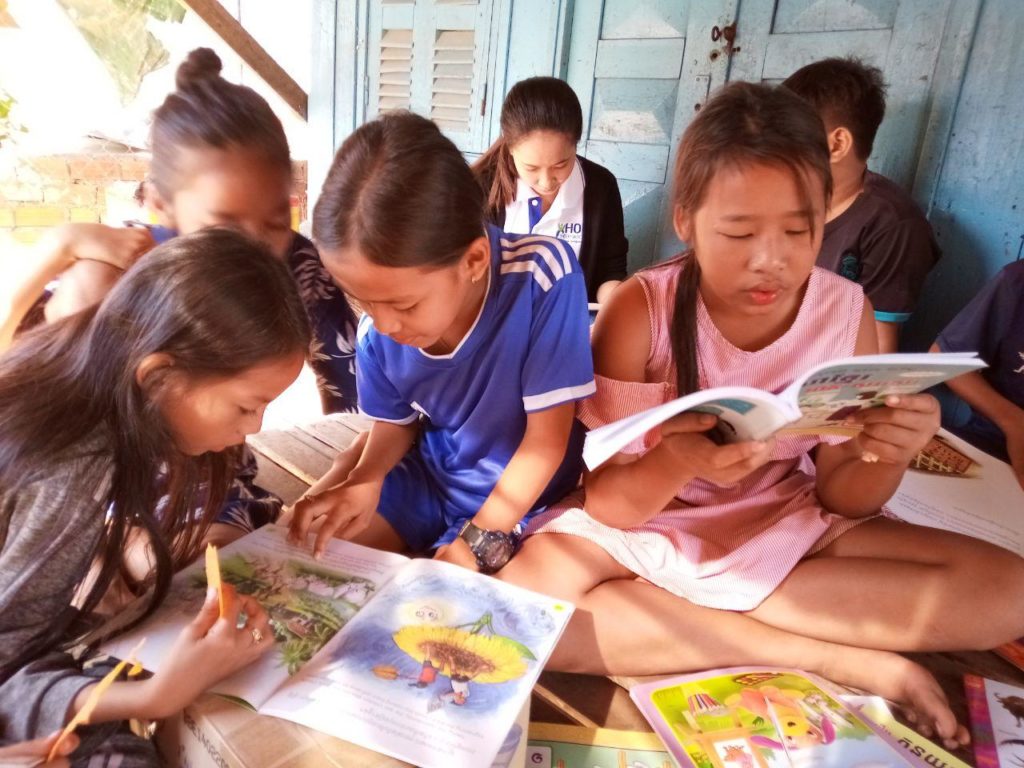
column 762, row 718
column 922, row 752
column 419, row 659
column 997, row 722
column 577, row 746
column 819, row 402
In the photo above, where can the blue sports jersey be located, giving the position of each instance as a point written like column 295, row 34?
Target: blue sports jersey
column 528, row 350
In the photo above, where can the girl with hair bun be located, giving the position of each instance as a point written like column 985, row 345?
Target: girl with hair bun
column 220, row 158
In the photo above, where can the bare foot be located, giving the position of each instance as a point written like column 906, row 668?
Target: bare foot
column 902, row 681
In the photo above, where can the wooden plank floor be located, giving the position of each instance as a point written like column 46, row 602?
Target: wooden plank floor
column 292, row 459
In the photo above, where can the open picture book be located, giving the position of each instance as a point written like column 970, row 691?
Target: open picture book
column 418, row 659
column 761, row 717
column 818, row 402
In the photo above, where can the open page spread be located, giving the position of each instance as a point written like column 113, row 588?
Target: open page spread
column 819, row 402
column 956, row 487
column 761, row 717
column 308, row 600
column 419, row 659
column 432, row 671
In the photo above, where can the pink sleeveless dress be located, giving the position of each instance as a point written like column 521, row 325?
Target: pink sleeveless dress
column 730, row 546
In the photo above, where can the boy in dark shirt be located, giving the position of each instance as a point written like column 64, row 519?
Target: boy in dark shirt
column 875, row 234
column 993, row 325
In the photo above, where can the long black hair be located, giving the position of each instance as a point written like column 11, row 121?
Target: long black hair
column 534, row 104
column 744, row 123
column 401, row 194
column 216, row 303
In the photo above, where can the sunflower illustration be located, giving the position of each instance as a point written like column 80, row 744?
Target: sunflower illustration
column 459, row 653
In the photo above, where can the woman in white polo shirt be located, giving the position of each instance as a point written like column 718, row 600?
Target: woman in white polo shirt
column 536, row 183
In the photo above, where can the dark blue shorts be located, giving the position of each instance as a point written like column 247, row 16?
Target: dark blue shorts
column 414, row 506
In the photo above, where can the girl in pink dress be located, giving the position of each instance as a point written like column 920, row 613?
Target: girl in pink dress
column 682, row 554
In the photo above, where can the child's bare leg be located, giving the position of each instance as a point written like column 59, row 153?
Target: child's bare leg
column 562, row 566
column 625, row 626
column 222, row 534
column 635, row 628
column 895, row 586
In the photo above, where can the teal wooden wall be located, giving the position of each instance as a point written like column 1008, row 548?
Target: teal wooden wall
column 952, row 136
column 974, row 190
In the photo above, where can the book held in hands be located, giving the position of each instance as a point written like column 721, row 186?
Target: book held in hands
column 819, row 402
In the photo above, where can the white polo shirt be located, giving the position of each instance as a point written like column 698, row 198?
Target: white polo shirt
column 564, row 219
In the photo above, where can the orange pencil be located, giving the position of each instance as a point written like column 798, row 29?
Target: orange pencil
column 213, row 576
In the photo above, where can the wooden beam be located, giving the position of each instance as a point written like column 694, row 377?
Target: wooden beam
column 251, row 52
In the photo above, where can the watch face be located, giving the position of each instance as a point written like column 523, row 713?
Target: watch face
column 496, row 549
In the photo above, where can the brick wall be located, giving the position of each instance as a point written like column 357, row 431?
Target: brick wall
column 37, row 193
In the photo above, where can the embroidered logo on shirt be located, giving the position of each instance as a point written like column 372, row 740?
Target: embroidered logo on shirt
column 1021, row 369
column 849, row 266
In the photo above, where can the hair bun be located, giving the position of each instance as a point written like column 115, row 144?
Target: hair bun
column 200, row 64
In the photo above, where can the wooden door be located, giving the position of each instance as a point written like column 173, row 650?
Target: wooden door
column 901, row 37
column 626, row 63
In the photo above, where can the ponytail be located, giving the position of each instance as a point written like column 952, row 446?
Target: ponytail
column 496, row 172
column 684, row 328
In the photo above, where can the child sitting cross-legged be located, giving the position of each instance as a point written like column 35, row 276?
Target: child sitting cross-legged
column 682, row 554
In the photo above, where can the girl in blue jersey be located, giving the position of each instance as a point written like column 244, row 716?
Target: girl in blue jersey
column 473, row 350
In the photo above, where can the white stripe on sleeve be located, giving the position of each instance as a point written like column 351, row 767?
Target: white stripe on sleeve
column 529, row 266
column 400, row 422
column 558, row 396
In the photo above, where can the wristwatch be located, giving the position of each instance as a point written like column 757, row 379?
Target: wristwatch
column 492, row 548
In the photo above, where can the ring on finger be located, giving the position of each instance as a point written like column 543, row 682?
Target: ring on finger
column 257, row 636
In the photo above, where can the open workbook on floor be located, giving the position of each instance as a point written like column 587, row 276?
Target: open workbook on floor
column 418, row 659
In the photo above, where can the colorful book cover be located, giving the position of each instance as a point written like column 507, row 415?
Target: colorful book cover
column 574, row 746
column 997, row 722
column 762, row 718
column 922, row 752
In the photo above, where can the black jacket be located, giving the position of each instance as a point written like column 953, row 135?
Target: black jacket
column 604, row 245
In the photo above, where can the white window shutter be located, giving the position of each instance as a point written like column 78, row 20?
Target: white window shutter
column 395, row 70
column 431, row 56
column 451, row 90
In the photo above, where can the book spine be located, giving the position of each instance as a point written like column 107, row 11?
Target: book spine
column 1013, row 653
column 984, row 741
